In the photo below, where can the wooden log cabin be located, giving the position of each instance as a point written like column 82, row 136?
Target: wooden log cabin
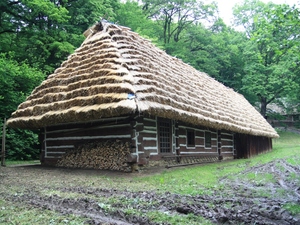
column 119, row 100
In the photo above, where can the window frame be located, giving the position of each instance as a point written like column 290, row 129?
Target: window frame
column 207, row 139
column 190, row 142
column 159, row 136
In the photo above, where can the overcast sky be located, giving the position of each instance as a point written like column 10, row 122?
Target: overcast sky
column 225, row 7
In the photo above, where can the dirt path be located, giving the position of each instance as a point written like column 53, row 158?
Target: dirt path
column 239, row 203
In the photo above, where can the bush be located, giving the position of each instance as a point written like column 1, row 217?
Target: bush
column 20, row 144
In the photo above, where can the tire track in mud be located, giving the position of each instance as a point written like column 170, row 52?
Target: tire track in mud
column 218, row 209
column 237, row 203
column 84, row 207
column 281, row 173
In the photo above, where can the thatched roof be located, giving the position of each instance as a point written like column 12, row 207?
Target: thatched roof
column 117, row 72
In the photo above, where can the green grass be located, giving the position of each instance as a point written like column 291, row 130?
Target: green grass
column 193, row 180
column 21, row 162
column 293, row 208
column 260, row 179
column 131, row 206
column 190, row 219
column 13, row 213
column 203, row 179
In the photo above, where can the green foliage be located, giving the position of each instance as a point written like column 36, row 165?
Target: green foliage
column 45, row 32
column 35, row 36
column 215, row 52
column 175, row 16
column 272, row 52
column 22, row 144
column 47, row 8
column 17, row 80
column 130, row 14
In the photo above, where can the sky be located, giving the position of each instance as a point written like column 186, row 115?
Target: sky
column 225, row 7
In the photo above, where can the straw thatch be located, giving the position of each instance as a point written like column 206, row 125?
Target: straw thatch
column 117, row 72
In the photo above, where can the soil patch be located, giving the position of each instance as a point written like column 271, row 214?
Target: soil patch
column 241, row 201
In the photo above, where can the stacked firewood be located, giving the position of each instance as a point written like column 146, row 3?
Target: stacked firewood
column 108, row 155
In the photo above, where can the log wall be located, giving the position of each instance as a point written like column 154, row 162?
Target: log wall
column 143, row 138
column 60, row 139
column 248, row 145
column 199, row 146
column 142, row 134
column 147, row 140
column 222, row 142
column 227, row 150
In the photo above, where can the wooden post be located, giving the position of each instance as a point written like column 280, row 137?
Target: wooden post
column 3, row 143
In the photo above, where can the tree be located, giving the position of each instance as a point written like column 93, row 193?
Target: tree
column 45, row 32
column 176, row 15
column 272, row 52
column 216, row 51
column 35, row 36
column 16, row 82
column 131, row 14
column 27, row 27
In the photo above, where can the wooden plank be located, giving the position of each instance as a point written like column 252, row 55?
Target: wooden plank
column 61, row 142
column 93, row 132
column 99, row 122
column 226, row 142
column 214, row 142
column 191, row 159
column 149, row 132
column 150, row 138
column 214, row 135
column 226, row 136
column 227, row 150
column 148, row 123
column 151, row 148
column 181, row 141
column 184, row 127
column 150, row 143
column 199, row 133
column 181, row 132
column 61, row 147
column 90, row 137
column 199, row 141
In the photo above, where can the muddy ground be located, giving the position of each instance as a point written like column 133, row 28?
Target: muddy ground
column 77, row 192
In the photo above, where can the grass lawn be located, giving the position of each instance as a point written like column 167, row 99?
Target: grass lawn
column 196, row 180
column 21, row 162
column 205, row 178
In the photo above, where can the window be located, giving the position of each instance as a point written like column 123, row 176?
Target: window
column 190, row 136
column 165, row 137
column 207, row 139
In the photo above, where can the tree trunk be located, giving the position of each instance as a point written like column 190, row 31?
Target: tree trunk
column 263, row 106
column 3, row 144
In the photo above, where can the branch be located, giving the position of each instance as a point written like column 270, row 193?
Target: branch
column 197, row 49
column 275, row 95
column 7, row 31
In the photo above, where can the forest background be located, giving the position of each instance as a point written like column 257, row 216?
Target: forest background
column 259, row 60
